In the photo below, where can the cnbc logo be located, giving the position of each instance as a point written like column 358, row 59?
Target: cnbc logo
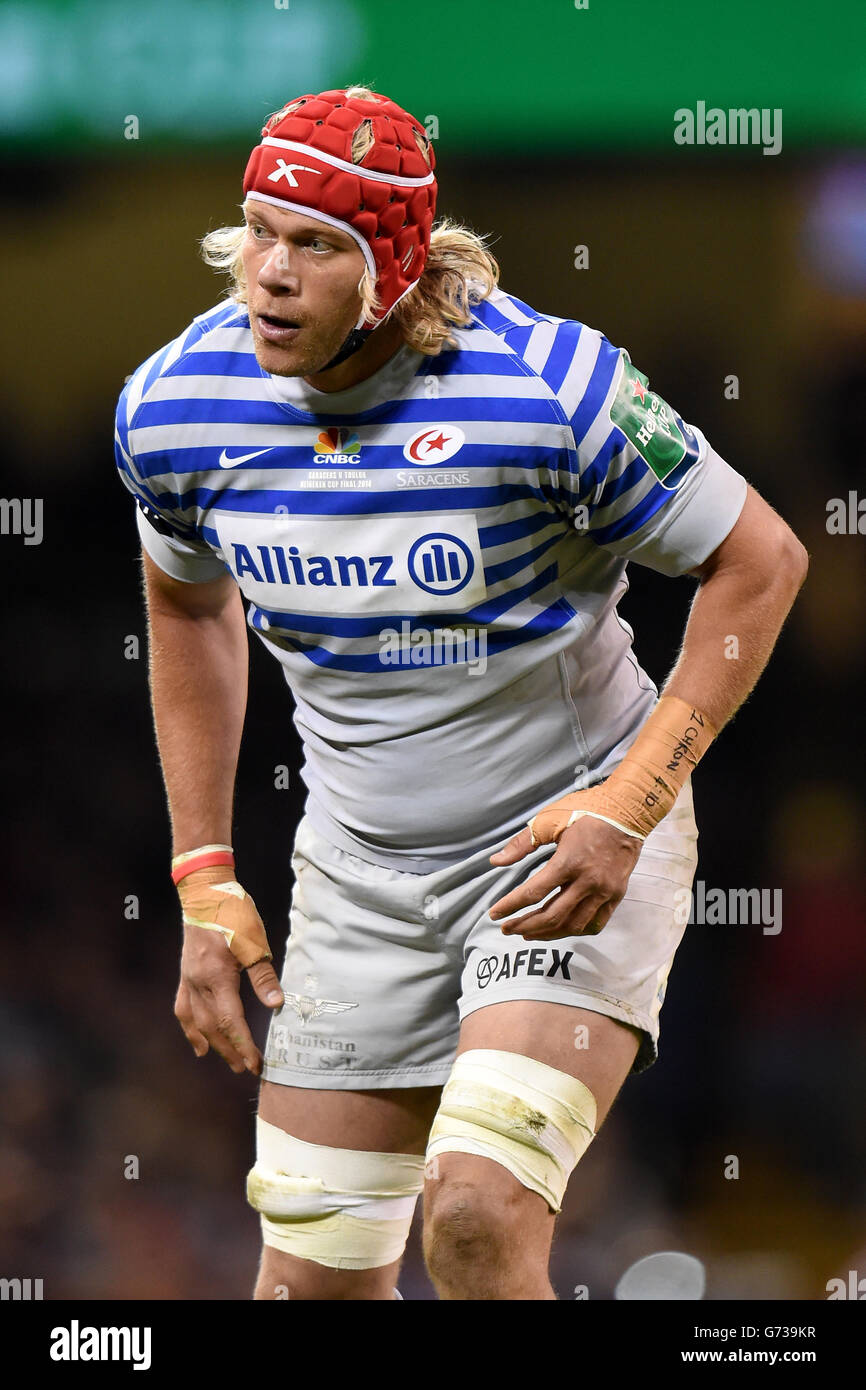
column 337, row 446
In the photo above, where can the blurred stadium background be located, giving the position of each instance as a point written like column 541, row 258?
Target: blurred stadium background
column 555, row 130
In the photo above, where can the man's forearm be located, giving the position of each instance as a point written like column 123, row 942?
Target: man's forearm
column 737, row 615
column 198, row 681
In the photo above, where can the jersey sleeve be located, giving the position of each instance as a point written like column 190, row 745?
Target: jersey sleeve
column 167, row 537
column 640, row 481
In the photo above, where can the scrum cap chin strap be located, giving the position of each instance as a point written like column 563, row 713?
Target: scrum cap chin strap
column 356, row 339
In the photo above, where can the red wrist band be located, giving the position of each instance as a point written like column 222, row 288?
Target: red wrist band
column 184, row 864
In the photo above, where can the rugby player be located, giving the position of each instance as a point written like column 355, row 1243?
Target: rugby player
column 428, row 492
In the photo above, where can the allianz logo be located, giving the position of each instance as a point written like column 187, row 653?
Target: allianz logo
column 437, row 562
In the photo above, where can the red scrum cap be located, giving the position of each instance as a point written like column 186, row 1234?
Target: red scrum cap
column 362, row 164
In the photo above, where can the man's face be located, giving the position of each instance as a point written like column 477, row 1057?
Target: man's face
column 302, row 288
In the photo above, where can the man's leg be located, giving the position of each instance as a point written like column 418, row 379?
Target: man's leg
column 395, row 1120
column 486, row 1236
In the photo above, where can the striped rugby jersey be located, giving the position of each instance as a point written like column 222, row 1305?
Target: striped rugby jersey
column 434, row 555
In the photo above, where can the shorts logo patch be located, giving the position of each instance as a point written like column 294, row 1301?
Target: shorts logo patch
column 307, row 1008
column 524, row 962
column 668, row 446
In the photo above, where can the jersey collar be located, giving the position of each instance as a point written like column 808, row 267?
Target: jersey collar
column 385, row 384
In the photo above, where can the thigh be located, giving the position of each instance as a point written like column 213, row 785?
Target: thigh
column 598, row 1050
column 396, row 1120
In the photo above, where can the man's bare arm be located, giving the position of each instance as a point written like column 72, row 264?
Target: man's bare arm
column 748, row 586
column 199, row 662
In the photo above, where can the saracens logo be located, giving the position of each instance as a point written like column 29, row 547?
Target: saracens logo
column 337, row 446
column 434, row 445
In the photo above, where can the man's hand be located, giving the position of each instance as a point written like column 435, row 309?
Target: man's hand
column 591, row 868
column 223, row 935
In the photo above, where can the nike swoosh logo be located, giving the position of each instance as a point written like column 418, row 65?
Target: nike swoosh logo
column 226, row 462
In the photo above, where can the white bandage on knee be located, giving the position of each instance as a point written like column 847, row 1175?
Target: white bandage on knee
column 346, row 1208
column 531, row 1118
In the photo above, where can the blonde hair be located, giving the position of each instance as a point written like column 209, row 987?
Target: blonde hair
column 459, row 271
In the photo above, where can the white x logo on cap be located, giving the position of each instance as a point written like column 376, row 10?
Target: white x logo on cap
column 286, row 169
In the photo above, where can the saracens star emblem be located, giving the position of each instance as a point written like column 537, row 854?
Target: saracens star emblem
column 434, row 445
column 306, row 1007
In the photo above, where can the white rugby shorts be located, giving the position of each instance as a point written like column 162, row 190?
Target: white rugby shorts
column 381, row 965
